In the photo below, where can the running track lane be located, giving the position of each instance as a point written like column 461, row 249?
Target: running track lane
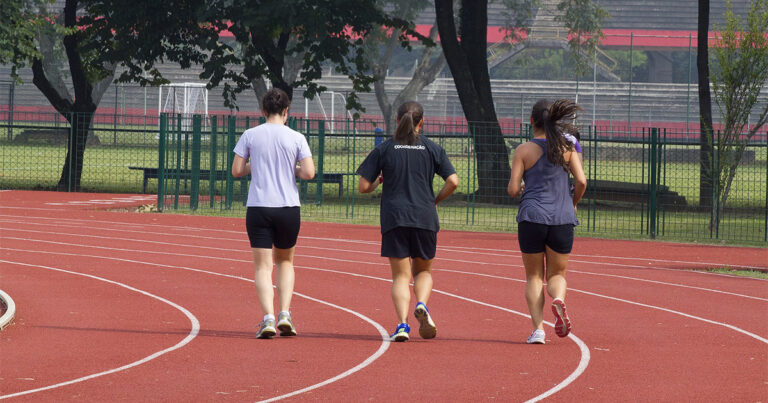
column 481, row 355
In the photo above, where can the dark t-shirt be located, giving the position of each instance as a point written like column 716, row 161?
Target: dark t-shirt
column 407, row 199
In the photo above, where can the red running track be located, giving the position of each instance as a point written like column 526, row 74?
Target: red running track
column 138, row 307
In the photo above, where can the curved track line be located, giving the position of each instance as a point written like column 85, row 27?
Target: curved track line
column 368, row 361
column 340, row 260
column 729, row 326
column 583, row 362
column 669, row 284
column 585, row 355
column 192, row 333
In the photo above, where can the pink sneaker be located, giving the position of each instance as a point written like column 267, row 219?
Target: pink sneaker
column 562, row 323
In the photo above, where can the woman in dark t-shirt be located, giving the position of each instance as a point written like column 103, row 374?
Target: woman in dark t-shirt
column 547, row 214
column 409, row 221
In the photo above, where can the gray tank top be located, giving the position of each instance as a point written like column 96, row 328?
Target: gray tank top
column 546, row 198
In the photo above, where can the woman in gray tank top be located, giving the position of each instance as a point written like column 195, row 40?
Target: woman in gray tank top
column 547, row 214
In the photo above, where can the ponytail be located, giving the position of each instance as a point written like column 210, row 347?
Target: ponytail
column 548, row 116
column 409, row 115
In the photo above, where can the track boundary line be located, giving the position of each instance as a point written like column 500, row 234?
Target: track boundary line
column 192, row 333
column 369, row 360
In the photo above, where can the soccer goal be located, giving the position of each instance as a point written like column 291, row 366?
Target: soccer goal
column 185, row 99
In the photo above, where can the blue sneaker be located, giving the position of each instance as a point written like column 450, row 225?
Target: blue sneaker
column 401, row 333
column 427, row 328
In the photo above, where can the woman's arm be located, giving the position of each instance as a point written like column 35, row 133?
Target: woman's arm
column 240, row 167
column 306, row 169
column 515, row 185
column 450, row 185
column 579, row 179
column 365, row 186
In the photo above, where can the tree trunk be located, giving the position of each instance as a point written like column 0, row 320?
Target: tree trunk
column 705, row 107
column 77, row 110
column 466, row 57
column 71, row 173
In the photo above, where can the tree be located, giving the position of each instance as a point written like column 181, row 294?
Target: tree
column 380, row 49
column 310, row 31
column 705, row 106
column 90, row 76
column 240, row 45
column 465, row 51
column 738, row 77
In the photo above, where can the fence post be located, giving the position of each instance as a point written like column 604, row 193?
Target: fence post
column 354, row 166
column 320, row 162
column 178, row 162
column 653, row 167
column 212, row 166
column 229, row 187
column 11, row 91
column 161, row 161
column 765, row 222
column 72, row 149
column 194, row 197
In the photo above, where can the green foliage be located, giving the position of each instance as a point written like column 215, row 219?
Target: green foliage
column 320, row 34
column 584, row 20
column 23, row 20
column 738, row 77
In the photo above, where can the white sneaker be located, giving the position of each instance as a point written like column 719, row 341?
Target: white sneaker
column 536, row 337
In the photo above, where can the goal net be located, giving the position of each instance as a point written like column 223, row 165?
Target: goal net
column 185, row 99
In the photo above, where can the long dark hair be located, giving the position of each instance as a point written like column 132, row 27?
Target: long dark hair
column 409, row 115
column 551, row 116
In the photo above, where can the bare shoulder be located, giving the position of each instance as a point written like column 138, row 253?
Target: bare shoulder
column 525, row 147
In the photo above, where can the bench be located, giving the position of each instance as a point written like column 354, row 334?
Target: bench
column 53, row 136
column 205, row 174
column 630, row 192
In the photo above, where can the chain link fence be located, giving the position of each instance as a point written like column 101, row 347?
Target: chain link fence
column 642, row 182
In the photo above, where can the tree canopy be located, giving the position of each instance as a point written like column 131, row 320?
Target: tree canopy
column 237, row 43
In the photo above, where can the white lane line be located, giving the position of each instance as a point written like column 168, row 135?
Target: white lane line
column 617, row 299
column 581, row 367
column 583, row 349
column 458, row 249
column 669, row 284
column 368, row 361
column 644, row 259
column 729, row 326
column 353, row 261
column 192, row 333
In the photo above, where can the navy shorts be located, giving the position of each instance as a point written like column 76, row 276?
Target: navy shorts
column 533, row 237
column 268, row 226
column 409, row 242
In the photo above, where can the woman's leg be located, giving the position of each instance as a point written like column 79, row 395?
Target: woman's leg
column 556, row 265
column 262, row 260
column 285, row 277
column 401, row 292
column 534, row 287
column 556, row 287
column 422, row 278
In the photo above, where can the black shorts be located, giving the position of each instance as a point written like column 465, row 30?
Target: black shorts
column 533, row 237
column 268, row 226
column 409, row 242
